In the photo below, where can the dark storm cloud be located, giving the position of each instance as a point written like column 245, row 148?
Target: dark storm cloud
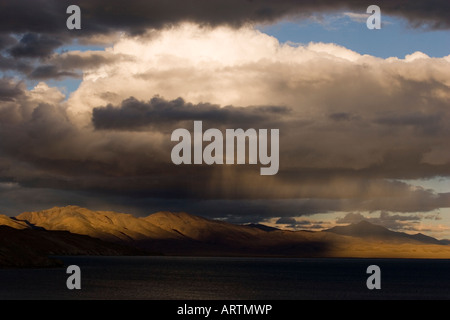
column 7, row 64
column 338, row 159
column 70, row 64
column 342, row 116
column 57, row 66
column 426, row 123
column 85, row 60
column 49, row 16
column 158, row 112
column 41, row 24
column 34, row 45
column 6, row 41
column 42, row 148
column 9, row 90
column 51, row 72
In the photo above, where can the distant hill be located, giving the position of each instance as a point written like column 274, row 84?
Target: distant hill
column 106, row 225
column 367, row 230
column 26, row 247
column 185, row 234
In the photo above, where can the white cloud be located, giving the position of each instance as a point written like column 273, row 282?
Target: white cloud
column 384, row 101
column 357, row 17
column 221, row 65
column 246, row 67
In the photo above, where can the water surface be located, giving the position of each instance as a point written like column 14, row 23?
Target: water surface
column 169, row 278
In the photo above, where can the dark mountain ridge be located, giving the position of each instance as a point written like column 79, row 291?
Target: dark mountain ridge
column 32, row 247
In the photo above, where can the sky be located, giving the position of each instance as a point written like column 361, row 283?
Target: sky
column 86, row 115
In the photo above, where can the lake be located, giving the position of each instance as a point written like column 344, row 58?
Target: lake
column 206, row 278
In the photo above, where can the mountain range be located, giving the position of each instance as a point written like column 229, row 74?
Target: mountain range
column 112, row 233
column 367, row 230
